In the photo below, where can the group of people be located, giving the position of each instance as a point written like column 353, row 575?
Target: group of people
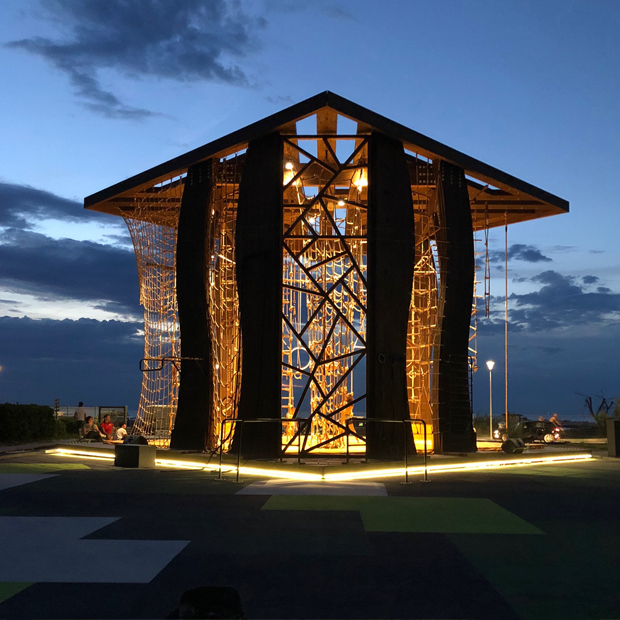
column 105, row 431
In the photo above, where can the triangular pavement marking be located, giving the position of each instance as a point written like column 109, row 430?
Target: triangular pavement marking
column 49, row 549
column 8, row 481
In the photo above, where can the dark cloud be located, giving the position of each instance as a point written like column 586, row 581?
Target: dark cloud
column 186, row 41
column 88, row 360
column 519, row 251
column 550, row 350
column 120, row 240
column 546, row 369
column 331, row 9
column 338, row 12
column 53, row 269
column 24, row 207
column 280, row 99
column 561, row 302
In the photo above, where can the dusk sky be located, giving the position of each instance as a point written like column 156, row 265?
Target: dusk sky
column 96, row 91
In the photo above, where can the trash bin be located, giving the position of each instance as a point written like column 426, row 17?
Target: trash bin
column 134, row 455
column 613, row 438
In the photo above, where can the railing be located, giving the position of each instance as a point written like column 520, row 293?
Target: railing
column 162, row 360
column 258, row 421
column 235, row 421
column 411, row 421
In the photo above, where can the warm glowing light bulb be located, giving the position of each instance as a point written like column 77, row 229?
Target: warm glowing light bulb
column 341, row 203
column 289, row 165
column 217, row 367
column 361, row 181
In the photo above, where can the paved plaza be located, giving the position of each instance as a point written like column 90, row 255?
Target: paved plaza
column 82, row 539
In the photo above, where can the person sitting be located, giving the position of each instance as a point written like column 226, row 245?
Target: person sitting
column 121, row 432
column 107, row 427
column 90, row 430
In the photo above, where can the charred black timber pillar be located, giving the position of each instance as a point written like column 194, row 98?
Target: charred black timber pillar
column 456, row 432
column 193, row 419
column 258, row 243
column 391, row 258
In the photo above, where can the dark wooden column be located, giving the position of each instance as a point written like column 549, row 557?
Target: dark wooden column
column 391, row 256
column 193, row 419
column 456, row 262
column 259, row 282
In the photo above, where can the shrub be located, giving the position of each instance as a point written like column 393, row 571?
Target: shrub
column 67, row 427
column 26, row 422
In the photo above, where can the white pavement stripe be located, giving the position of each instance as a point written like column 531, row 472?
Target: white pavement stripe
column 8, row 481
column 49, row 549
column 285, row 487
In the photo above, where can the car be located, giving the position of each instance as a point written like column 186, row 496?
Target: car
column 530, row 431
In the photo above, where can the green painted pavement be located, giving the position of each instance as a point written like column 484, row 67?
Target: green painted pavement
column 11, row 588
column 441, row 515
column 38, row 468
column 570, row 574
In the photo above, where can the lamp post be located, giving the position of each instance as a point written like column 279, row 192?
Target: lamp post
column 490, row 365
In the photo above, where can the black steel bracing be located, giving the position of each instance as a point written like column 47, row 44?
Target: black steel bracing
column 323, row 291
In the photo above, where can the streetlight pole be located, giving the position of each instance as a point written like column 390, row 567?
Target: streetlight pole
column 490, row 365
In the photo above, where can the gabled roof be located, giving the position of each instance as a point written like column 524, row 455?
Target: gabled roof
column 411, row 139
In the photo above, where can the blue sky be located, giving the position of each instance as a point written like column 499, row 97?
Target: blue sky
column 98, row 90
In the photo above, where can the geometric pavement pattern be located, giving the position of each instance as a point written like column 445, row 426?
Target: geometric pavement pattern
column 494, row 545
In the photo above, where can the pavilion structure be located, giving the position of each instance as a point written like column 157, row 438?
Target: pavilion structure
column 317, row 269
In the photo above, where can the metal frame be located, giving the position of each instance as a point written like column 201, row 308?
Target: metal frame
column 328, row 261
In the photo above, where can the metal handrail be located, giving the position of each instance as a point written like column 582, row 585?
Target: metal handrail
column 410, row 421
column 167, row 358
column 257, row 421
column 348, row 432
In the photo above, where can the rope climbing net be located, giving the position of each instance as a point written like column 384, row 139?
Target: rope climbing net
column 423, row 308
column 223, row 297
column 152, row 223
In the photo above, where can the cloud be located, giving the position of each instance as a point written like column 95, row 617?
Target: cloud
column 520, row 251
column 88, row 360
column 589, row 279
column 331, row 9
column 186, row 41
column 541, row 378
column 562, row 302
column 52, row 269
column 279, row 99
column 23, row 207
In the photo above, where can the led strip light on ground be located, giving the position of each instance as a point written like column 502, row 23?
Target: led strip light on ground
column 194, row 465
column 454, row 467
column 336, row 477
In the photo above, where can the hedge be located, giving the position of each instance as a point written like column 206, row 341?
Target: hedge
column 26, row 423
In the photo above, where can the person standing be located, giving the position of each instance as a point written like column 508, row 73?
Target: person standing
column 80, row 416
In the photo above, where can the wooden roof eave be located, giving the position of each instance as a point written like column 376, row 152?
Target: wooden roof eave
column 239, row 139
